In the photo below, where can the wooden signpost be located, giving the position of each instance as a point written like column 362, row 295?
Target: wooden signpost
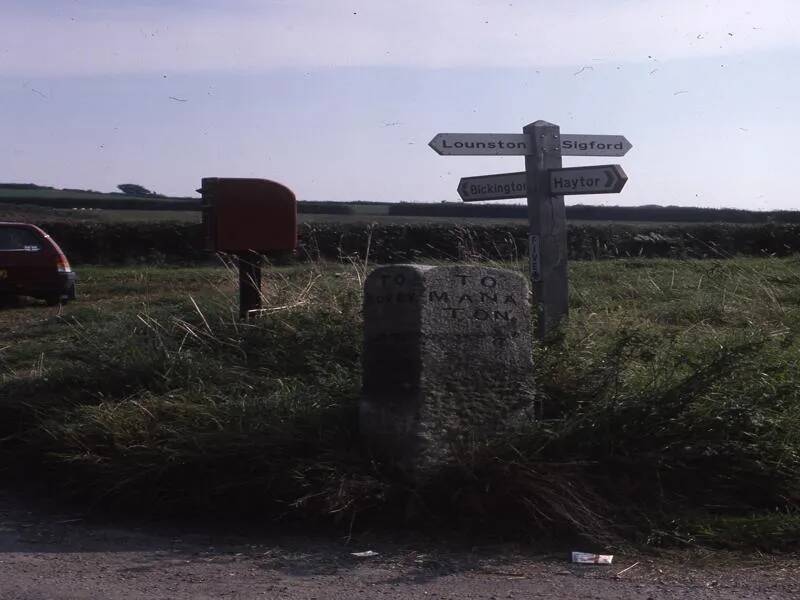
column 544, row 182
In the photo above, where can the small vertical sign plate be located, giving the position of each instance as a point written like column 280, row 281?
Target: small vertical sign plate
column 536, row 259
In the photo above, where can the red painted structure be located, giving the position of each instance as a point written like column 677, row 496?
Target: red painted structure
column 249, row 218
column 248, row 215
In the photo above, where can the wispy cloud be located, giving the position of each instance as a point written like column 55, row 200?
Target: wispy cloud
column 87, row 38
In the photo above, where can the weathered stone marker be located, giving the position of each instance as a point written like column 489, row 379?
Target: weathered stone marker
column 447, row 359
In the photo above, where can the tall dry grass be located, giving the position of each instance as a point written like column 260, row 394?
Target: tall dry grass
column 670, row 408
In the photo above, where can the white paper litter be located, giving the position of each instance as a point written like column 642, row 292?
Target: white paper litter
column 365, row 554
column 587, row 558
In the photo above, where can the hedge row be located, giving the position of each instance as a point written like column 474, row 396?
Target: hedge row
column 30, row 194
column 116, row 243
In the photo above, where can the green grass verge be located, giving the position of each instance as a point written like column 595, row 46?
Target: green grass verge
column 671, row 405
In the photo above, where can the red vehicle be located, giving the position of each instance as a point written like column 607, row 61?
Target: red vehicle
column 32, row 264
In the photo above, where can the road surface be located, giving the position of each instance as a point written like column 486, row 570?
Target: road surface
column 45, row 555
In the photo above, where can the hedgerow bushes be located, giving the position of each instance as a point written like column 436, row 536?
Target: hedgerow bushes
column 131, row 243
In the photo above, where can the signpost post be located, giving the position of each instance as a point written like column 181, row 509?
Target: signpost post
column 547, row 229
column 544, row 183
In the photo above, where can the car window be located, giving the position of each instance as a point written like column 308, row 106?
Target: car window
column 19, row 238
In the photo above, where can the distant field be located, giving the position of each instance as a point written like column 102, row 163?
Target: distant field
column 11, row 198
column 45, row 194
column 70, row 197
column 44, row 214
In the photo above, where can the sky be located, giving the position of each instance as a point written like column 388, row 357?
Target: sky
column 338, row 99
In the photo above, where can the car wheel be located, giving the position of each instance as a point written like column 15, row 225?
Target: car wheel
column 8, row 300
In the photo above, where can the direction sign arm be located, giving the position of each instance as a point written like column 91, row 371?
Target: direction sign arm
column 594, row 145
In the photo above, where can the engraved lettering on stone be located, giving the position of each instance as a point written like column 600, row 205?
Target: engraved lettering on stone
column 446, row 359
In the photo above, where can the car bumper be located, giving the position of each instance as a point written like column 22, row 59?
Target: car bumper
column 62, row 284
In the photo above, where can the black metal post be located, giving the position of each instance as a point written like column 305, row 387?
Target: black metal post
column 249, row 283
